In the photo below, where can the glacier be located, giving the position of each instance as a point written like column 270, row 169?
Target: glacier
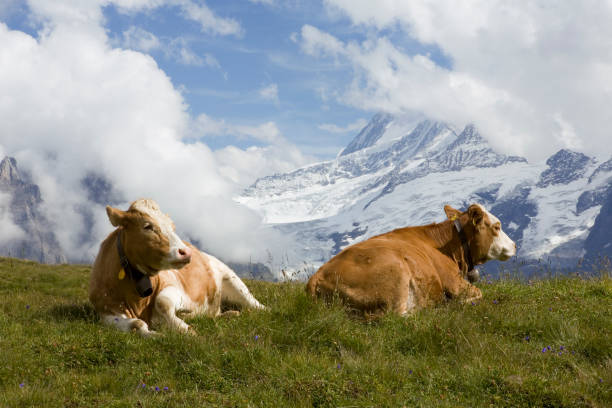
column 401, row 170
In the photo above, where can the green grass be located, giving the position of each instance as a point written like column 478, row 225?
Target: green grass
column 54, row 352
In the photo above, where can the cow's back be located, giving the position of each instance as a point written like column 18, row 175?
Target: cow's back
column 384, row 272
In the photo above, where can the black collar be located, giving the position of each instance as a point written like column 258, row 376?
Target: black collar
column 464, row 243
column 142, row 281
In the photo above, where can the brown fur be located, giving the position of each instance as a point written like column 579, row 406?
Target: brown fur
column 407, row 268
column 197, row 282
column 109, row 295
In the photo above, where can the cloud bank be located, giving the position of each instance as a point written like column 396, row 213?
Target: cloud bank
column 72, row 105
column 534, row 76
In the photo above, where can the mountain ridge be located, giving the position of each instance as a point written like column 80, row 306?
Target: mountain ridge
column 389, row 181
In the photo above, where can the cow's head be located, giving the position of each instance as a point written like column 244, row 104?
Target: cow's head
column 149, row 239
column 484, row 233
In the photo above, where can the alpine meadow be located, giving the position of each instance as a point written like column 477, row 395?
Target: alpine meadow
column 291, row 203
column 539, row 343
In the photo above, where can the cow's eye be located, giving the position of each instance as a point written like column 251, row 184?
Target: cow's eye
column 148, row 227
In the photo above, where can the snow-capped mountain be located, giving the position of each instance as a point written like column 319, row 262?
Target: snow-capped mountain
column 401, row 171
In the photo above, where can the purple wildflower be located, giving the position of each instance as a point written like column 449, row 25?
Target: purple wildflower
column 27, row 306
column 409, row 371
column 473, row 303
column 601, row 380
column 143, row 385
column 495, row 301
column 560, row 352
column 256, row 337
column 549, row 348
column 21, row 385
column 527, row 338
column 156, row 388
column 544, row 350
column 338, row 366
column 165, row 388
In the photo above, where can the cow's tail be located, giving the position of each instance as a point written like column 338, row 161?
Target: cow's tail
column 233, row 289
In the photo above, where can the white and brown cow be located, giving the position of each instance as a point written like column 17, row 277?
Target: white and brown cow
column 413, row 267
column 145, row 274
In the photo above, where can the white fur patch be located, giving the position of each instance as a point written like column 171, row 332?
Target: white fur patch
column 126, row 324
column 232, row 288
column 502, row 246
column 165, row 224
column 169, row 302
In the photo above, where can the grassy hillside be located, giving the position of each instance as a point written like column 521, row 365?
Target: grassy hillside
column 547, row 343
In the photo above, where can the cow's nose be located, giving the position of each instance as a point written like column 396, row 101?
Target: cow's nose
column 184, row 253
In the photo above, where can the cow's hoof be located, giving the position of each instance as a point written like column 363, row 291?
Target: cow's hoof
column 150, row 334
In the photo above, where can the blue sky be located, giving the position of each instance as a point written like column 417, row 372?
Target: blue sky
column 196, row 99
column 228, row 73
column 262, row 56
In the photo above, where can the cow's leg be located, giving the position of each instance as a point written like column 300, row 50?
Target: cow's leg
column 461, row 289
column 406, row 302
column 233, row 289
column 126, row 324
column 169, row 301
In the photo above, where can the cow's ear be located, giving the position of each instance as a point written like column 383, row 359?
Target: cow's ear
column 451, row 213
column 476, row 213
column 117, row 217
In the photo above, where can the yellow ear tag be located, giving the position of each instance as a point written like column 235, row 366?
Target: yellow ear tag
column 474, row 222
column 121, row 274
column 453, row 218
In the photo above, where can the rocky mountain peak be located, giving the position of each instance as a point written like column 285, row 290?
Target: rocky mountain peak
column 470, row 135
column 40, row 243
column 370, row 134
column 605, row 167
column 9, row 174
column 564, row 167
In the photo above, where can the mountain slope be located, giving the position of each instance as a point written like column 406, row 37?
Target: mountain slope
column 400, row 172
column 35, row 239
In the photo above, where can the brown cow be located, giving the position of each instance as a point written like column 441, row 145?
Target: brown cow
column 413, row 267
column 145, row 274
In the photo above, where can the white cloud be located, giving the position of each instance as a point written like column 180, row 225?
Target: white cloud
column 318, row 43
column 188, row 57
column 269, row 92
column 267, row 2
column 177, row 49
column 351, row 127
column 139, row 39
column 206, row 127
column 9, row 232
column 209, row 22
column 244, row 166
column 73, row 11
column 72, row 104
column 516, row 67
